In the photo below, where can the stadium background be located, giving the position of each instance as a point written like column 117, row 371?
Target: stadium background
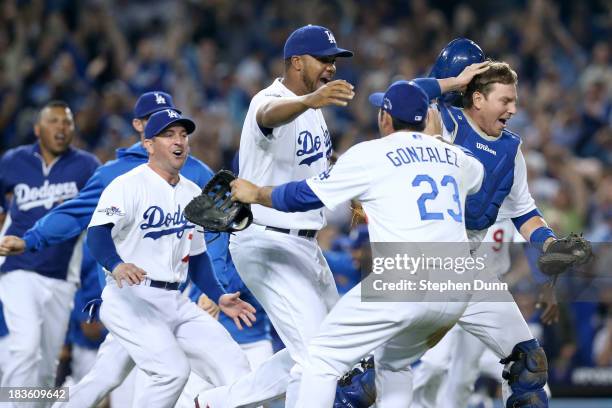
column 214, row 55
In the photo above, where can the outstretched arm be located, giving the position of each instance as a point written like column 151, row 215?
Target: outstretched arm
column 280, row 111
column 295, row 196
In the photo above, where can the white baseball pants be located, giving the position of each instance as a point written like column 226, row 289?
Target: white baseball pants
column 37, row 311
column 167, row 336
column 399, row 332
column 291, row 279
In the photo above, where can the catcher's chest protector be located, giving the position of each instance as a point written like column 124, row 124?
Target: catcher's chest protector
column 496, row 156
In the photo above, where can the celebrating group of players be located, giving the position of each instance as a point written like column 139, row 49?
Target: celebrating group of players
column 130, row 214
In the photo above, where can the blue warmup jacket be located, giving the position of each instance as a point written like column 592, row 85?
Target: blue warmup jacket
column 37, row 189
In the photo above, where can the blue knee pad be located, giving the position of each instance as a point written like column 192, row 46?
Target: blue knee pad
column 526, row 371
column 357, row 389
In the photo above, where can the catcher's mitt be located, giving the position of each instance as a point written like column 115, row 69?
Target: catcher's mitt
column 215, row 211
column 564, row 253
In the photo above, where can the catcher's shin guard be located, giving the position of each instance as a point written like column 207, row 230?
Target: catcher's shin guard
column 526, row 370
column 357, row 389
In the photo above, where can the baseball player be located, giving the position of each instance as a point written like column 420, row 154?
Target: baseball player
column 391, row 185
column 285, row 138
column 488, row 103
column 480, row 126
column 141, row 237
column 71, row 218
column 267, row 150
column 37, row 289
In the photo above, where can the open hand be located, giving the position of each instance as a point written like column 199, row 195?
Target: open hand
column 338, row 92
column 469, row 72
column 237, row 309
column 547, row 302
column 128, row 272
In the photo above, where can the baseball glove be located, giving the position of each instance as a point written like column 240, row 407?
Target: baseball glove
column 215, row 211
column 564, row 253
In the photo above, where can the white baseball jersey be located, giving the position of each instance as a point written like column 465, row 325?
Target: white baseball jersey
column 149, row 222
column 519, row 201
column 408, row 183
column 292, row 152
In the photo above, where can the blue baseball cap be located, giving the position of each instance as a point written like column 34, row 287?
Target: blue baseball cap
column 151, row 102
column 404, row 100
column 313, row 40
column 163, row 119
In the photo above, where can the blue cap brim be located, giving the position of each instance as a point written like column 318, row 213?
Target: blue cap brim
column 187, row 123
column 376, row 99
column 333, row 51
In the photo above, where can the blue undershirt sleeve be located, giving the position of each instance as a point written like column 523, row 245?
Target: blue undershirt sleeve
column 102, row 247
column 296, row 196
column 519, row 221
column 430, row 86
column 203, row 276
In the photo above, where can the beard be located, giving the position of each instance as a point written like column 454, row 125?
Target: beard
column 309, row 84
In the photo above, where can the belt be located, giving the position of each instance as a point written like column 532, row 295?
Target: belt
column 299, row 233
column 163, row 285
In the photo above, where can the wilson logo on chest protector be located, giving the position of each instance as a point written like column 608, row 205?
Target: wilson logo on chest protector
column 168, row 223
column 486, row 148
column 310, row 146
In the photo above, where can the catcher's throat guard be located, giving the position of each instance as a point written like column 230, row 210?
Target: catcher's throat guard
column 214, row 209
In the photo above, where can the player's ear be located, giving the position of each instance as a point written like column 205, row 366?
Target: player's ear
column 37, row 130
column 477, row 99
column 138, row 125
column 297, row 63
column 148, row 145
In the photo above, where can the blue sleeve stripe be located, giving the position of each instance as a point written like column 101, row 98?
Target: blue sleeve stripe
column 540, row 235
column 203, row 276
column 296, row 196
column 430, row 86
column 102, row 247
column 519, row 221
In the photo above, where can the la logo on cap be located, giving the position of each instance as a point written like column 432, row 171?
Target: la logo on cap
column 172, row 114
column 159, row 99
column 330, row 37
column 387, row 104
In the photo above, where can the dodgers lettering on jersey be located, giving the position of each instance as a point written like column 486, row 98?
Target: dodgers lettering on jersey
column 149, row 222
column 295, row 151
column 46, row 196
column 504, row 192
column 36, row 189
column 407, row 182
column 170, row 223
column 310, row 146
